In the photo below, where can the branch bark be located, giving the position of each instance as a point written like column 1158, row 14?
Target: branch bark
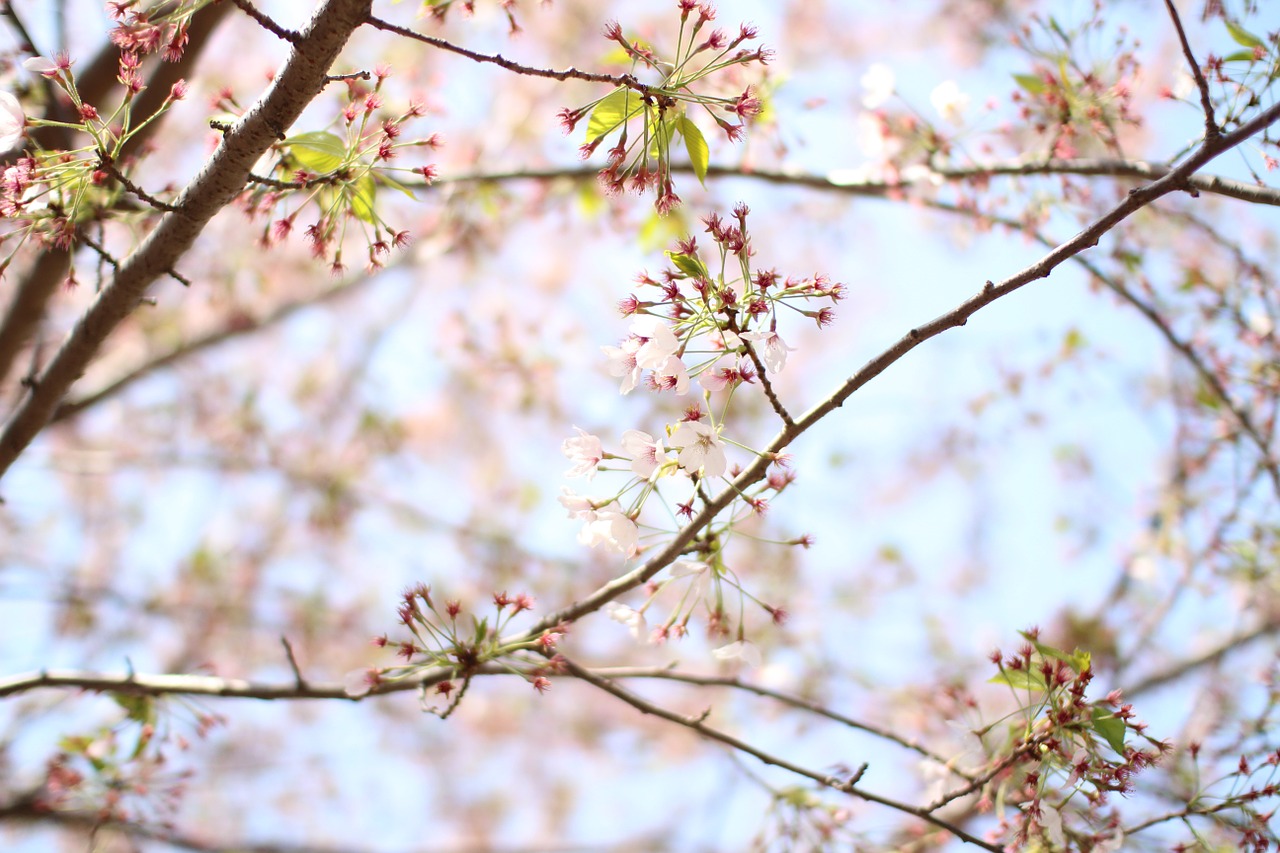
column 222, row 178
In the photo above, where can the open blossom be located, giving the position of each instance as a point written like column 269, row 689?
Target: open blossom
column 613, row 528
column 950, row 102
column 741, row 650
column 877, row 85
column 622, row 362
column 578, row 506
column 647, row 454
column 672, row 375
column 696, row 569
column 12, row 120
column 630, row 617
column 773, row 350
column 699, row 447
column 585, row 452
column 658, row 341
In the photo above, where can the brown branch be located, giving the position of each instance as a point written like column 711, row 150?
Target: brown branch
column 698, row 724
column 223, row 176
column 266, row 23
column 1211, row 129
column 625, row 80
column 1214, row 656
column 37, row 286
column 231, row 331
column 1175, row 180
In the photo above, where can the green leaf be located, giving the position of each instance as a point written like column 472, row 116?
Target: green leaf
column 1033, row 83
column 140, row 709
column 696, row 144
column 1241, row 36
column 1019, row 679
column 1241, row 56
column 395, row 185
column 613, row 111
column 690, row 265
column 317, row 151
column 1110, row 727
column 361, row 192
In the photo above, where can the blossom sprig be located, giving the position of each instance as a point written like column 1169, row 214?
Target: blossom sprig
column 52, row 194
column 1061, row 745
column 145, row 28
column 649, row 117
column 445, row 635
column 440, row 9
column 339, row 175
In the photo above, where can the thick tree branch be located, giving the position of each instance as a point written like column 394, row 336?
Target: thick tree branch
column 223, row 176
column 37, row 286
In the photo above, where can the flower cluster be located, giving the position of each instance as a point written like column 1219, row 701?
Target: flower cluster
column 710, row 321
column 660, row 110
column 339, row 175
column 443, row 637
column 1063, row 746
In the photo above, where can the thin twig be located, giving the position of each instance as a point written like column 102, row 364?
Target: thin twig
column 698, row 724
column 105, row 164
column 291, row 36
column 298, row 680
column 1211, row 129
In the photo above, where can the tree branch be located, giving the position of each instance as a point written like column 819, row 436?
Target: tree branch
column 1211, row 129
column 223, row 176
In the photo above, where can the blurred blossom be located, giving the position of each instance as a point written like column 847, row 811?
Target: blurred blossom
column 877, row 85
column 12, row 121
column 950, row 102
column 741, row 650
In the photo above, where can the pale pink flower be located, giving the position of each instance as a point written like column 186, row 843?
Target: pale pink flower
column 773, row 351
column 723, row 339
column 699, row 447
column 658, row 342
column 647, row 454
column 613, row 528
column 950, row 102
column 696, row 569
column 585, row 452
column 633, row 619
column 41, row 65
column 741, row 650
column 718, row 378
column 877, row 85
column 578, row 506
column 12, row 121
column 672, row 375
column 622, row 362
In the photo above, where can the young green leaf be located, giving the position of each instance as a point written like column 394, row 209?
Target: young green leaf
column 1110, row 727
column 612, row 112
column 696, row 144
column 689, row 265
column 317, row 151
column 361, row 192
column 1033, row 83
column 1019, row 679
column 1243, row 37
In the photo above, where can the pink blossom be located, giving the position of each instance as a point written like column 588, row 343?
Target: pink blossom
column 741, row 650
column 658, row 342
column 622, row 362
column 12, row 121
column 611, row 527
column 700, row 448
column 585, row 452
column 774, row 350
column 647, row 455
column 672, row 375
column 578, row 506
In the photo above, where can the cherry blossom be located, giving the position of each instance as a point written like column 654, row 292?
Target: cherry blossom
column 774, row 350
column 696, row 569
column 633, row 619
column 577, row 506
column 672, row 375
column 877, row 84
column 740, row 650
column 658, row 342
column 699, row 447
column 12, row 120
column 950, row 102
column 610, row 526
column 585, row 452
column 622, row 362
column 647, row 454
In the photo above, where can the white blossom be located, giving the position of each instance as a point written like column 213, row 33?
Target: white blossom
column 647, row 454
column 610, row 526
column 741, row 650
column 699, row 447
column 950, row 102
column 578, row 506
column 774, row 350
column 585, row 452
column 877, row 85
column 658, row 341
column 672, row 375
column 622, row 362
column 633, row 619
column 12, row 121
